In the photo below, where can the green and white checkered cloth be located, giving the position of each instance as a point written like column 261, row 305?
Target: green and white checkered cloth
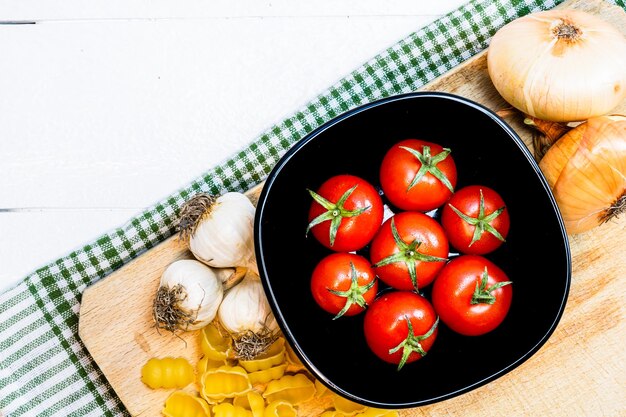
column 45, row 370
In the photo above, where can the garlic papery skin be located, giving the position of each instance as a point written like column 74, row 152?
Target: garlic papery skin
column 246, row 314
column 188, row 297
column 559, row 65
column 220, row 230
column 230, row 276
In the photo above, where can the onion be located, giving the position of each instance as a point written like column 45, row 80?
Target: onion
column 586, row 170
column 559, row 65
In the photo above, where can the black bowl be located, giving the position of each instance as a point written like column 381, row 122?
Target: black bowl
column 487, row 151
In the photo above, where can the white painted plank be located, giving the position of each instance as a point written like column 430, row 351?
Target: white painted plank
column 33, row 238
column 200, row 9
column 109, row 108
column 118, row 114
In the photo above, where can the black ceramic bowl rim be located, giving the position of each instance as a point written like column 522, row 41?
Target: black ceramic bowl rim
column 258, row 231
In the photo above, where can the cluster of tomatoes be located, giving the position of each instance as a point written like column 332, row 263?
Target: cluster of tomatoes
column 408, row 250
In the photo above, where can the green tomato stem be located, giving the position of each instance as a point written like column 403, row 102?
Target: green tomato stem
column 482, row 222
column 335, row 212
column 429, row 165
column 408, row 254
column 482, row 294
column 412, row 342
column 355, row 294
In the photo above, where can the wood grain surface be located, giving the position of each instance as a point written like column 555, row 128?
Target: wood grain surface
column 580, row 371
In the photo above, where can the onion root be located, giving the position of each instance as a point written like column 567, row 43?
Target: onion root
column 615, row 210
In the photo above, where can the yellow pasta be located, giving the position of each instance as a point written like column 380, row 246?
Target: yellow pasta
column 294, row 389
column 252, row 401
column 266, row 375
column 320, row 389
column 280, row 409
column 346, row 406
column 292, row 358
column 185, row 404
column 230, row 410
column 224, row 382
column 275, row 355
column 205, row 364
column 167, row 373
column 214, row 345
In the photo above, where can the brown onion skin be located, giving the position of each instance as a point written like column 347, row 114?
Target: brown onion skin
column 556, row 77
column 586, row 170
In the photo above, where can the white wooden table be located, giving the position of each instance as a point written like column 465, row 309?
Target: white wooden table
column 107, row 109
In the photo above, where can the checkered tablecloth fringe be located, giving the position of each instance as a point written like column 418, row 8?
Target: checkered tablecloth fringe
column 45, row 370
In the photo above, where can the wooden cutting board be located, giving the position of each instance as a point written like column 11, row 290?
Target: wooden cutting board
column 581, row 370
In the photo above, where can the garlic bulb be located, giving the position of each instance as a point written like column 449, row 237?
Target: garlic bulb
column 247, row 315
column 188, row 297
column 219, row 230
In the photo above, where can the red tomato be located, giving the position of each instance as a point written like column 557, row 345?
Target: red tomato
column 409, row 250
column 400, row 327
column 418, row 175
column 343, row 284
column 346, row 213
column 476, row 220
column 472, row 295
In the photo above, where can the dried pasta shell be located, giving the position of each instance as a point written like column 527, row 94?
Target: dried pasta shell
column 294, row 389
column 252, row 401
column 230, row 410
column 332, row 413
column 292, row 358
column 275, row 355
column 205, row 364
column 167, row 373
column 280, row 409
column 320, row 389
column 266, row 375
column 214, row 345
column 346, row 406
column 185, row 404
column 224, row 382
